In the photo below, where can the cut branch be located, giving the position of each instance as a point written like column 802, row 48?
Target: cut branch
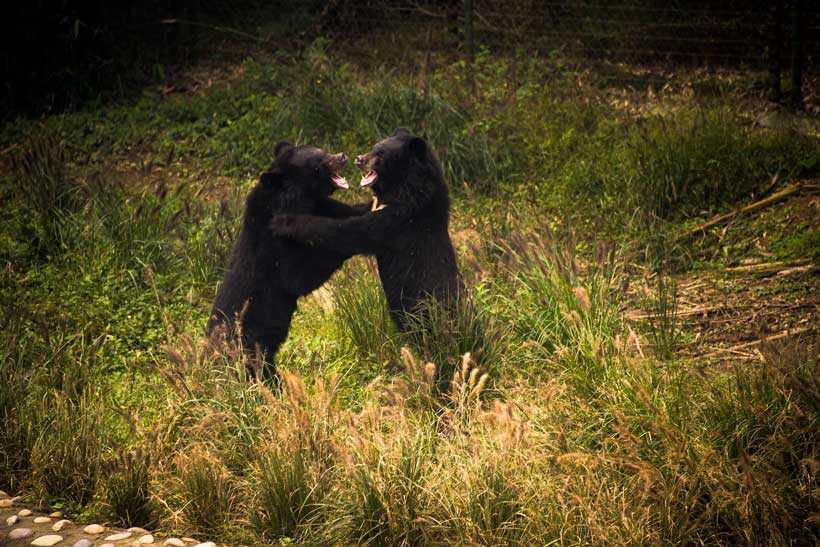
column 681, row 313
column 722, row 219
column 754, row 343
column 767, row 267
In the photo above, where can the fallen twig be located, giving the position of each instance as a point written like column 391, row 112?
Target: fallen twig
column 767, row 267
column 754, row 343
column 721, row 219
column 681, row 313
column 809, row 268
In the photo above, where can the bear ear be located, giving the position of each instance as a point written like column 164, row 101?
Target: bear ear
column 282, row 148
column 272, row 178
column 418, row 147
column 401, row 132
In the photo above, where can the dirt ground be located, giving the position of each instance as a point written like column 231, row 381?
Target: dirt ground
column 751, row 298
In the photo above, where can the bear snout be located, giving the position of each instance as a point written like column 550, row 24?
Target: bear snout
column 362, row 160
column 337, row 161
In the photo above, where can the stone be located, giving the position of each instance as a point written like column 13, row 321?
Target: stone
column 56, row 514
column 175, row 542
column 83, row 543
column 41, row 520
column 24, row 513
column 12, row 520
column 94, row 529
column 189, row 540
column 47, row 541
column 107, row 545
column 59, row 524
column 206, row 544
column 147, row 539
column 137, row 530
column 6, row 503
column 21, row 533
column 118, row 537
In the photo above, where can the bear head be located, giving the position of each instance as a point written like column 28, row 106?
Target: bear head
column 312, row 169
column 401, row 169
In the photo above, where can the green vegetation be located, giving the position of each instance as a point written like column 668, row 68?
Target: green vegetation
column 557, row 427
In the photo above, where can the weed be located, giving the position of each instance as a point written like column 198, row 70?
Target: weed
column 360, row 305
column 387, row 499
column 569, row 320
column 493, row 506
column 289, row 495
column 207, row 492
column 694, row 162
column 126, row 491
column 664, row 330
column 42, row 184
column 68, row 451
column 440, row 331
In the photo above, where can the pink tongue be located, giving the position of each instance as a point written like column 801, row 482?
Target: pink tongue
column 369, row 178
column 340, row 181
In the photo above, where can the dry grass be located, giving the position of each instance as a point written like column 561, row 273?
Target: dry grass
column 652, row 456
column 598, row 443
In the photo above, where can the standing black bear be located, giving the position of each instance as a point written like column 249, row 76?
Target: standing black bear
column 406, row 230
column 267, row 274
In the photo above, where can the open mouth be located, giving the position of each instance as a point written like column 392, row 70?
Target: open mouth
column 369, row 178
column 366, row 162
column 339, row 181
column 336, row 163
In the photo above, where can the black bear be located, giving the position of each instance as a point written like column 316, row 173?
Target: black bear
column 267, row 274
column 406, row 229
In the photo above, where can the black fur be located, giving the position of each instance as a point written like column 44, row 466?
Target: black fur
column 267, row 274
column 409, row 236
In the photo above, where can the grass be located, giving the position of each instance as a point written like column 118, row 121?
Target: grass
column 527, row 414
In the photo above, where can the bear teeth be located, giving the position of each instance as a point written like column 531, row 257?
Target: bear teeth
column 340, row 181
column 369, row 178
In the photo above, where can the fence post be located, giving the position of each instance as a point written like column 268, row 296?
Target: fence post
column 469, row 39
column 425, row 73
column 797, row 55
column 775, row 36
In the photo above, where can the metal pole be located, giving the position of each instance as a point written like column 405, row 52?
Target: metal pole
column 775, row 50
column 468, row 36
column 797, row 55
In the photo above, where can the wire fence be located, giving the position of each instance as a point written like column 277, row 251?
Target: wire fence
column 61, row 55
column 780, row 38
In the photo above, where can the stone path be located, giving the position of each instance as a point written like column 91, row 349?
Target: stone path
column 21, row 526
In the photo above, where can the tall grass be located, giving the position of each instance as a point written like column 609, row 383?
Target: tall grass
column 440, row 331
column 664, row 331
column 360, row 306
column 55, row 416
column 443, row 331
column 43, row 186
column 704, row 159
column 290, row 495
column 615, row 448
column 207, row 492
column 113, row 406
column 564, row 318
column 126, row 489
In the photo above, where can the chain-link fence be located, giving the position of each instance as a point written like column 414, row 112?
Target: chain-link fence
column 781, row 37
column 58, row 55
